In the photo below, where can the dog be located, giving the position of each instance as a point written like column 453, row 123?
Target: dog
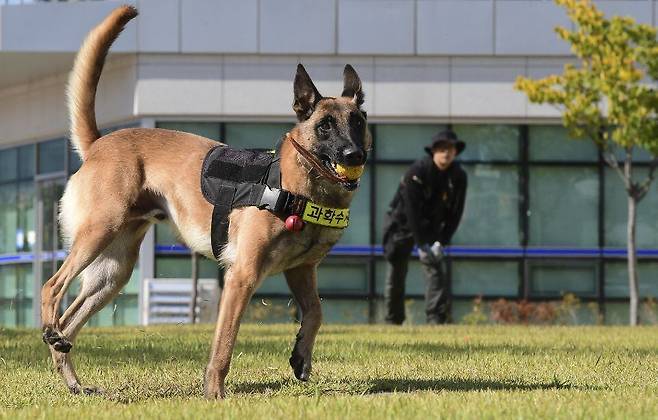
column 132, row 178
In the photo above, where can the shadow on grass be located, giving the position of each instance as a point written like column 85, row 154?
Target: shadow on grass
column 414, row 385
column 383, row 385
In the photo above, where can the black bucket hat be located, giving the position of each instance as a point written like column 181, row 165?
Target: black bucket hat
column 446, row 136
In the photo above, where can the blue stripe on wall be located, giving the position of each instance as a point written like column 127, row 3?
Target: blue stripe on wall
column 461, row 251
column 364, row 250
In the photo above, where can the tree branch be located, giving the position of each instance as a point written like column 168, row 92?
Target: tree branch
column 646, row 184
column 611, row 160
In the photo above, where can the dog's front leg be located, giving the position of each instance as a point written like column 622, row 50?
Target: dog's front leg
column 239, row 285
column 303, row 284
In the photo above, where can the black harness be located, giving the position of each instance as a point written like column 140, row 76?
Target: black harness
column 232, row 178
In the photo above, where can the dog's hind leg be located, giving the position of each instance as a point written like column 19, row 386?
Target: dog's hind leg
column 86, row 247
column 101, row 282
column 303, row 284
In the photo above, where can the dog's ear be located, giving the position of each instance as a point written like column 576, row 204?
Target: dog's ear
column 352, row 85
column 306, row 94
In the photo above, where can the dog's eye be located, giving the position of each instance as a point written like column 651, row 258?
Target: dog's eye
column 325, row 126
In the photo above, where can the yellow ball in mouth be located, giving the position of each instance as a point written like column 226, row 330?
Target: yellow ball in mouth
column 349, row 172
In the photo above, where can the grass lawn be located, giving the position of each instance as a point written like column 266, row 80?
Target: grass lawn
column 359, row 372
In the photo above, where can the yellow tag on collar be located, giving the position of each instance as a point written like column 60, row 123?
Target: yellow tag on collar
column 326, row 216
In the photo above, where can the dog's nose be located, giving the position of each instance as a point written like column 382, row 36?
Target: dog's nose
column 354, row 156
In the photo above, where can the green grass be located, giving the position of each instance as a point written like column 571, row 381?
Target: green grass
column 359, row 372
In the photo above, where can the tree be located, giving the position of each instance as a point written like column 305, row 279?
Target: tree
column 610, row 98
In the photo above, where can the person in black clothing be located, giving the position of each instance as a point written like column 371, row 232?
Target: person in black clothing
column 425, row 211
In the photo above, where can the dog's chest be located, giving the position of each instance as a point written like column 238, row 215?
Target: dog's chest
column 306, row 247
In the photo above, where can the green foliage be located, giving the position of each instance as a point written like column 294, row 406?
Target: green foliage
column 607, row 97
column 360, row 372
column 477, row 315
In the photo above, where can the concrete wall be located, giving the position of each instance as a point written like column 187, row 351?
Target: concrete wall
column 368, row 27
column 259, row 87
column 37, row 110
column 397, row 88
column 420, row 60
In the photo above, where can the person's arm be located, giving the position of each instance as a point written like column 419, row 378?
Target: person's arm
column 413, row 196
column 457, row 210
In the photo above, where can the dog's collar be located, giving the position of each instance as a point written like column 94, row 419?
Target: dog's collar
column 284, row 202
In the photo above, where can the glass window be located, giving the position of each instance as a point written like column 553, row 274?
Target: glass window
column 26, row 161
column 51, row 156
column 173, row 267
column 403, row 141
column 270, row 311
column 617, row 313
column 16, row 295
column 358, row 231
column 489, row 142
column 415, row 283
column 126, row 310
column 180, row 267
column 133, row 284
column 8, row 164
column 50, row 192
column 486, row 278
column 255, row 135
column 104, row 317
column 8, row 218
column 554, row 279
column 164, row 235
column 334, row 277
column 491, row 213
column 388, row 180
column 8, row 280
column 274, row 284
column 25, row 280
column 25, row 229
column 552, row 142
column 639, row 154
column 461, row 308
column 74, row 160
column 616, row 279
column 616, row 212
column 339, row 311
column 205, row 129
column 563, row 206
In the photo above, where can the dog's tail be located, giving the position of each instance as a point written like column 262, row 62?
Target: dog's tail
column 85, row 75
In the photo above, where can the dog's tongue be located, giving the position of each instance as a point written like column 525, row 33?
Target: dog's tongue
column 351, row 173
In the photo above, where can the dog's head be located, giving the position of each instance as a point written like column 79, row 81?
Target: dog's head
column 334, row 129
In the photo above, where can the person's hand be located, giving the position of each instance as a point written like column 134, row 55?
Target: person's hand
column 437, row 250
column 430, row 254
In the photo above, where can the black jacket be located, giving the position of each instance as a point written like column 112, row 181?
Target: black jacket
column 429, row 203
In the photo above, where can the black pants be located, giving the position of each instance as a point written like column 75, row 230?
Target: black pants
column 437, row 305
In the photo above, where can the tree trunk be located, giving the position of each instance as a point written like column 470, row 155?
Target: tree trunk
column 632, row 261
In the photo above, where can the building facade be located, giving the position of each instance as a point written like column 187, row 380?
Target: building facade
column 544, row 215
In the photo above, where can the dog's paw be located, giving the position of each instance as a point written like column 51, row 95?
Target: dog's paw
column 300, row 366
column 213, row 385
column 85, row 390
column 63, row 345
column 57, row 340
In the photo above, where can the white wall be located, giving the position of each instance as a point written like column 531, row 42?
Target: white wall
column 397, row 88
column 369, row 27
column 434, row 60
column 37, row 110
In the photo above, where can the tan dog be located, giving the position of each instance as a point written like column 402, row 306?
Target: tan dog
column 132, row 178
